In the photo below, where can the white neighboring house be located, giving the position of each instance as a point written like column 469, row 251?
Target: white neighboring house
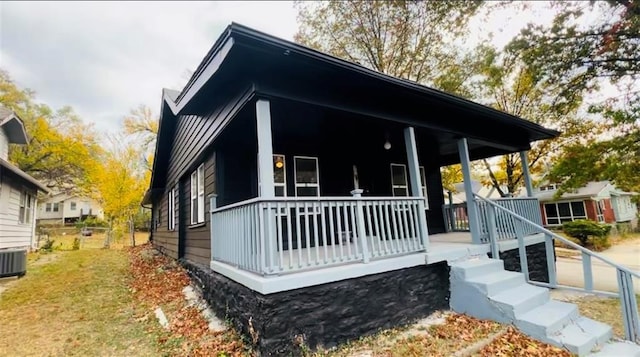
column 18, row 190
column 63, row 208
column 478, row 188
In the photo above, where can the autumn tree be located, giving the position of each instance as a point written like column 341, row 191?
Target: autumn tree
column 590, row 44
column 118, row 183
column 510, row 85
column 142, row 125
column 407, row 39
column 60, row 146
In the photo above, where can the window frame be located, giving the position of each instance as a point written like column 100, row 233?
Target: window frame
column 171, row 209
column 600, row 208
column 559, row 218
column 47, row 207
column 284, row 168
column 306, row 184
column 25, row 210
column 406, row 180
column 197, row 195
column 55, row 207
column 73, row 206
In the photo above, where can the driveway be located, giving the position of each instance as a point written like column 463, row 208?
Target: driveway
column 604, row 276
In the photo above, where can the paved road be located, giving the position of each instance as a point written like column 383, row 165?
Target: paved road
column 627, row 253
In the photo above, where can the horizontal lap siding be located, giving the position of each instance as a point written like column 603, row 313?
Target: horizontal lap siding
column 197, row 241
column 163, row 238
column 13, row 234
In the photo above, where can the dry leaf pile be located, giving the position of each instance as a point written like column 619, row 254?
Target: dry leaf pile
column 157, row 281
column 514, row 343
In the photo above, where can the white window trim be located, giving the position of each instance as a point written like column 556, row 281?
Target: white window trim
column 295, row 176
column 600, row 210
column 47, row 207
column 276, row 184
column 55, row 207
column 25, row 213
column 73, row 206
column 171, row 210
column 560, row 218
column 406, row 183
column 197, row 195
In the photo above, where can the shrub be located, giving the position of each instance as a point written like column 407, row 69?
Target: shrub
column 585, row 229
column 76, row 244
column 47, row 246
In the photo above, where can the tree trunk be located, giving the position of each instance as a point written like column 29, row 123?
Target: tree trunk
column 132, row 229
column 107, row 239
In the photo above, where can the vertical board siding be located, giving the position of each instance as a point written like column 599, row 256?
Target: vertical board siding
column 166, row 240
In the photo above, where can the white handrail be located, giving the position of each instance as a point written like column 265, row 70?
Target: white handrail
column 626, row 293
column 562, row 239
column 312, row 199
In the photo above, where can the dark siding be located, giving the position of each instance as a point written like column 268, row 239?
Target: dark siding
column 197, row 242
column 163, row 238
column 194, row 134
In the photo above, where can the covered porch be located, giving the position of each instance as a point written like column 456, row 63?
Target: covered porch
column 340, row 195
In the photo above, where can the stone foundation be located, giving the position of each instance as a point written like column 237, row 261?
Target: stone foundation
column 536, row 260
column 325, row 315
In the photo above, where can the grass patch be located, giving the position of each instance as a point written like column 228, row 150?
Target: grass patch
column 76, row 304
column 606, row 310
column 514, row 343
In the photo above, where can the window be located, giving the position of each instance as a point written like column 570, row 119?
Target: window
column 197, row 195
column 399, row 180
column 600, row 210
column 306, row 176
column 279, row 175
column 558, row 213
column 47, row 207
column 24, row 214
column 550, row 187
column 56, row 207
column 171, row 209
column 423, row 178
column 72, row 206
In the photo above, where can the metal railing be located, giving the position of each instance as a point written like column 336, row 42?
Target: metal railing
column 457, row 220
column 288, row 234
column 624, row 275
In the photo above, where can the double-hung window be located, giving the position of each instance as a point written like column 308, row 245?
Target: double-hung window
column 72, row 206
column 47, row 207
column 24, row 213
column 306, row 176
column 600, row 210
column 171, row 209
column 197, row 195
column 399, row 184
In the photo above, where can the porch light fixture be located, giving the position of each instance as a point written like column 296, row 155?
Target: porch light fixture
column 279, row 163
column 387, row 144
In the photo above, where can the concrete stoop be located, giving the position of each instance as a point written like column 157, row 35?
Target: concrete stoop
column 480, row 287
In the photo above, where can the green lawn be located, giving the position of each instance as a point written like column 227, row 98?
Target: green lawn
column 75, row 304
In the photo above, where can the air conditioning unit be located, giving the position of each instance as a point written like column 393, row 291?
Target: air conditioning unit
column 13, row 262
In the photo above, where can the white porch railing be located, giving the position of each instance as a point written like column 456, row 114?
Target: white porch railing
column 522, row 224
column 287, row 234
column 456, row 218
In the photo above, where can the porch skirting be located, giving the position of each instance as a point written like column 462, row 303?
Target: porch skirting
column 536, row 260
column 328, row 314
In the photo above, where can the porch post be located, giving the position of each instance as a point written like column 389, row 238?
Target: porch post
column 524, row 160
column 416, row 183
column 265, row 148
column 472, row 208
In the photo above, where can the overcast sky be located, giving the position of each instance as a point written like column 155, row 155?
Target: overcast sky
column 105, row 58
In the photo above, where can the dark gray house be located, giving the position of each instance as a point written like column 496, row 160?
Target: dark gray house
column 304, row 193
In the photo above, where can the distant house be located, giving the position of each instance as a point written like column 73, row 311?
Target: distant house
column 478, row 188
column 63, row 208
column 598, row 201
column 18, row 190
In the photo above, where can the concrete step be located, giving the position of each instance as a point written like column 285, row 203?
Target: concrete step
column 618, row 349
column 495, row 283
column 582, row 336
column 476, row 267
column 547, row 319
column 521, row 299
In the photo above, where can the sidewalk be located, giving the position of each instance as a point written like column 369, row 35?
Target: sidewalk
column 604, row 276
